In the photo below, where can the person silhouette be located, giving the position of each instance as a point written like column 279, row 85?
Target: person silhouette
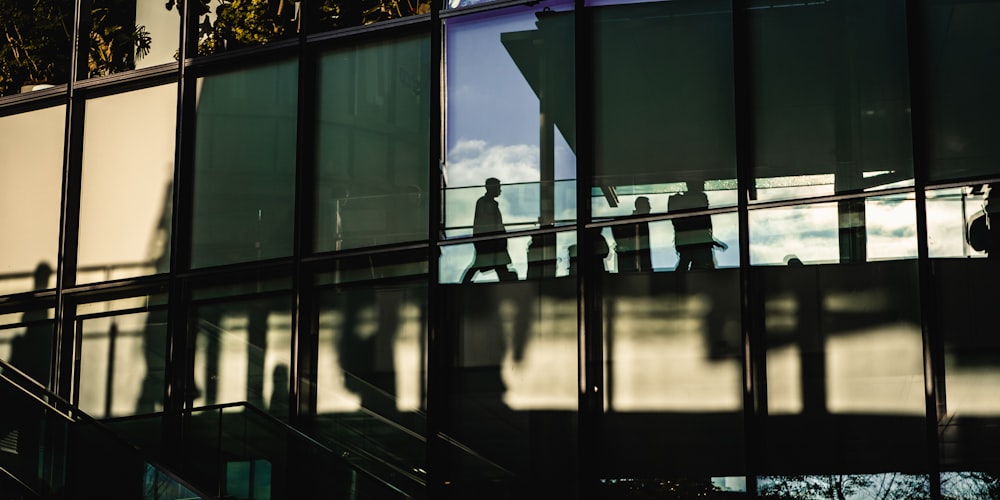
column 632, row 241
column 31, row 352
column 490, row 254
column 278, row 404
column 693, row 237
column 981, row 235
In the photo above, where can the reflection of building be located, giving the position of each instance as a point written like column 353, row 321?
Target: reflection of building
column 290, row 319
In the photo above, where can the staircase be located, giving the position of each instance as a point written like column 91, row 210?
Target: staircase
column 50, row 450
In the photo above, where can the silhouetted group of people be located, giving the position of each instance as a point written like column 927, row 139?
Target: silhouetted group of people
column 693, row 236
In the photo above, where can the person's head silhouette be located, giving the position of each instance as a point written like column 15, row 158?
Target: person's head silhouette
column 493, row 187
column 641, row 205
column 42, row 274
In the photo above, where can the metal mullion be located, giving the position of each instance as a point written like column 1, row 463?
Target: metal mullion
column 304, row 334
column 119, row 312
column 376, row 31
column 754, row 383
column 933, row 342
column 177, row 362
column 239, row 59
column 62, row 372
column 590, row 335
column 438, row 362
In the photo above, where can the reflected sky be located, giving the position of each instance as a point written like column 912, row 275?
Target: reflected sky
column 493, row 115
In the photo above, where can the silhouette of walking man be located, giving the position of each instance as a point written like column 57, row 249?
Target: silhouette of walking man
column 693, row 235
column 632, row 241
column 490, row 254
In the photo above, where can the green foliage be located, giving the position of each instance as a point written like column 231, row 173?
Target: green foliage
column 36, row 38
column 347, row 13
column 35, row 42
column 115, row 41
column 242, row 23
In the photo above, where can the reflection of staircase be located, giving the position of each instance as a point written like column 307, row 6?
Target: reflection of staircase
column 236, row 450
column 378, row 437
column 52, row 450
column 392, row 444
column 375, row 443
column 49, row 449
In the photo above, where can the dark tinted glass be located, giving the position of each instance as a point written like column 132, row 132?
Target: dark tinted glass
column 673, row 359
column 27, row 340
column 242, row 352
column 511, row 411
column 244, row 176
column 965, row 253
column 663, row 109
column 373, row 145
column 961, row 75
column 831, row 108
column 370, row 363
column 844, row 346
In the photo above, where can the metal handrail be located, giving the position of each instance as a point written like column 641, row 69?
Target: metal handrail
column 74, row 415
column 312, row 441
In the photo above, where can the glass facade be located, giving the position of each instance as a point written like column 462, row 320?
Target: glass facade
column 505, row 249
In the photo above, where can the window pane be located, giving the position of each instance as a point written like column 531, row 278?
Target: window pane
column 962, row 98
column 831, row 98
column 35, row 45
column 372, row 358
column 510, row 118
column 125, row 199
column 950, row 213
column 244, row 178
column 513, row 387
column 31, row 157
column 26, row 341
column 373, row 145
column 966, row 263
column 658, row 132
column 129, row 34
column 113, row 380
column 243, row 353
column 855, row 230
column 842, row 330
column 673, row 360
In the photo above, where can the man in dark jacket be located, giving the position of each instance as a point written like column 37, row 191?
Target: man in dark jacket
column 490, row 254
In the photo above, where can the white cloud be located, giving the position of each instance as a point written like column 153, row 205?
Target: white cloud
column 471, row 161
